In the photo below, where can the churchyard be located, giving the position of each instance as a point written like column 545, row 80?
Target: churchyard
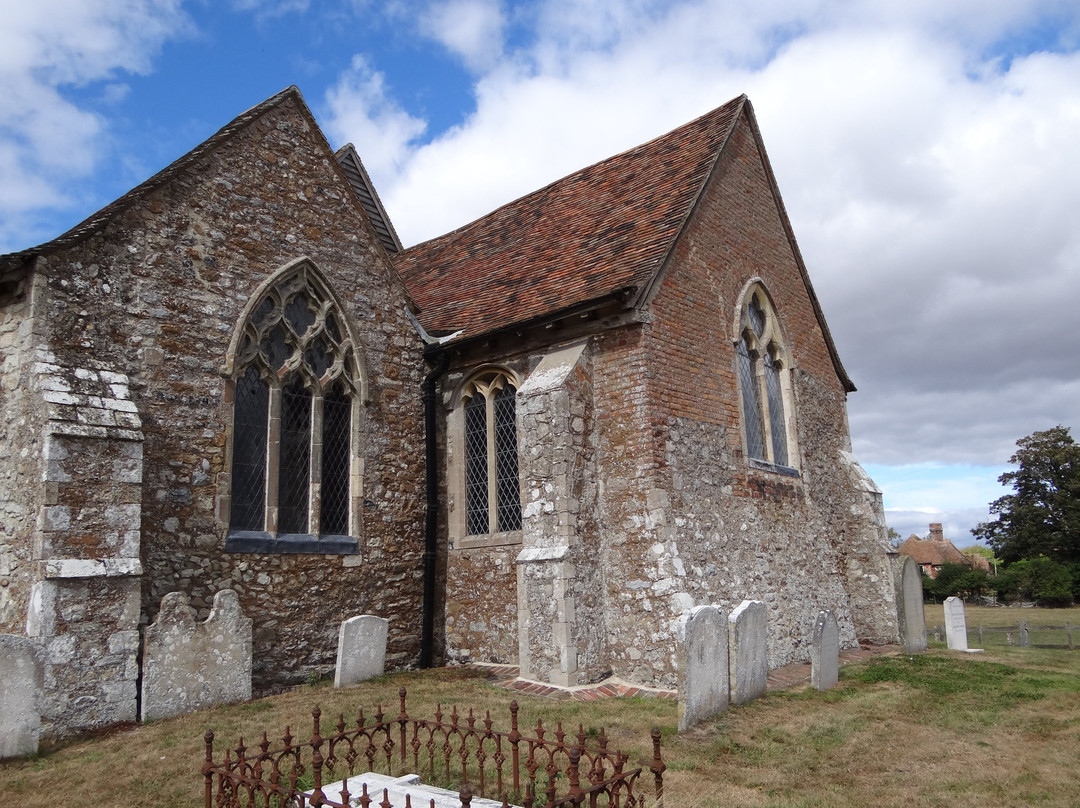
column 937, row 728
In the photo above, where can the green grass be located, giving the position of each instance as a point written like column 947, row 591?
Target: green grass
column 933, row 729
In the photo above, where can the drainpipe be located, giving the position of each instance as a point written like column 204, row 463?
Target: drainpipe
column 431, row 518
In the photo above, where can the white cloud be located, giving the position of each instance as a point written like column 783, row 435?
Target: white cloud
column 925, row 152
column 470, row 29
column 46, row 49
column 364, row 113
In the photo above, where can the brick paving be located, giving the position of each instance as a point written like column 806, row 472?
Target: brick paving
column 798, row 673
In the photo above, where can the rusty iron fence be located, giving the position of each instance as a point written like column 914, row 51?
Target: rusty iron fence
column 460, row 751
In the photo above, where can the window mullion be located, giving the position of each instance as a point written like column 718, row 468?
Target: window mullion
column 273, row 452
column 763, row 404
column 493, row 485
column 315, row 495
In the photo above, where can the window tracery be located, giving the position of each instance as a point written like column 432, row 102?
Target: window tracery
column 296, row 383
column 492, row 491
column 764, row 381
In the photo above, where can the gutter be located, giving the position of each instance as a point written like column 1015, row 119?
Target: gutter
column 440, row 360
column 431, row 515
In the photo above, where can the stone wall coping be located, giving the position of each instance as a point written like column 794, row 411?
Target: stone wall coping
column 553, row 369
column 859, row 473
column 90, row 567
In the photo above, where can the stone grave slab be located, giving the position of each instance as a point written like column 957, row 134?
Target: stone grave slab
column 361, row 649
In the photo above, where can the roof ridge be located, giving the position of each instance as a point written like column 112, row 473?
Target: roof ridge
column 594, row 165
column 95, row 221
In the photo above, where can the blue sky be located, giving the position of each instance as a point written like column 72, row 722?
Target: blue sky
column 925, row 151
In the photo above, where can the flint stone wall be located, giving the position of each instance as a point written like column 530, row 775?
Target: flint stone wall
column 189, row 665
column 155, row 293
column 679, row 494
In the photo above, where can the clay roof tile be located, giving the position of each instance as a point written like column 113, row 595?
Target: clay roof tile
column 602, row 230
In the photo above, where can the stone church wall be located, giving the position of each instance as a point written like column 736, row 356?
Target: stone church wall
column 157, row 293
column 712, row 529
column 21, row 434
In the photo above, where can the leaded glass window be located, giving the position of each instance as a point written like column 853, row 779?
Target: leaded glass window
column 492, row 490
column 762, row 380
column 296, row 372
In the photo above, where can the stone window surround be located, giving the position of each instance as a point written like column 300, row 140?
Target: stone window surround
column 459, row 538
column 777, row 345
column 355, row 379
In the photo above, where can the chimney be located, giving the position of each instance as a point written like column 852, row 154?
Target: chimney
column 935, row 532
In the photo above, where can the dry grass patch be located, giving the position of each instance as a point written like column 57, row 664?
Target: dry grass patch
column 936, row 729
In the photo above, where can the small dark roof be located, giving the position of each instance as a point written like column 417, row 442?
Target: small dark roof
column 606, row 228
column 365, row 192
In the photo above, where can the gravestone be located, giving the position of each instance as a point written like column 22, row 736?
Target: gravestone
column 748, row 651
column 702, row 650
column 825, row 652
column 361, row 652
column 20, row 683
column 955, row 625
column 909, row 602
column 188, row 666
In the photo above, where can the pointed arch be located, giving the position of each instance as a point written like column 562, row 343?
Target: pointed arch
column 763, row 370
column 483, row 436
column 297, row 382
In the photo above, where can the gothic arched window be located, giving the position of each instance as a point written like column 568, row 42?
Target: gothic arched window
column 492, row 491
column 296, row 382
column 764, row 386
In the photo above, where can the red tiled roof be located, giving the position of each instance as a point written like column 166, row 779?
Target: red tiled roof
column 603, row 229
column 928, row 551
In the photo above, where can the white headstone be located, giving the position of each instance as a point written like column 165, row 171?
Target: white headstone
column 748, row 651
column 909, row 601
column 20, row 682
column 187, row 665
column 825, row 652
column 704, row 688
column 361, row 649
column 955, row 625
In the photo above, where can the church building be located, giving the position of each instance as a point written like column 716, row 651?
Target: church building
column 537, row 440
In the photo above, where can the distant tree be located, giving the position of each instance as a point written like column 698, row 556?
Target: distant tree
column 1042, row 515
column 956, row 579
column 895, row 539
column 1042, row 580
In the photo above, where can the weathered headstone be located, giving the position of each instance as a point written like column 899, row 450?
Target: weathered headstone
column 361, row 652
column 702, row 646
column 955, row 625
column 188, row 666
column 20, row 683
column 909, row 602
column 825, row 652
column 748, row 651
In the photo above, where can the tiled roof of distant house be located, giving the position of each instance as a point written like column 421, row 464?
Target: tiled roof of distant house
column 931, row 551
